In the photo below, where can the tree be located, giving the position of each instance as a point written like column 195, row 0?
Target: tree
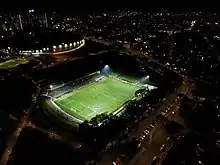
column 99, row 118
column 84, row 126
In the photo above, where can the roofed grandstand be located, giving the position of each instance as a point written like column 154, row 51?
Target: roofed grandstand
column 41, row 41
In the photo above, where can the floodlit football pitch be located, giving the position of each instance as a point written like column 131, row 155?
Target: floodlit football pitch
column 13, row 63
column 105, row 96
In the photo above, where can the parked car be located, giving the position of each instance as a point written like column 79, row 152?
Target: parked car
column 155, row 160
column 151, row 126
column 163, row 148
column 154, row 123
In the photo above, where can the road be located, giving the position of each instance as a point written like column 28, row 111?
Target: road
column 130, row 51
column 159, row 135
column 24, row 123
column 152, row 147
column 95, row 54
column 12, row 140
column 139, row 54
column 51, row 134
column 145, row 123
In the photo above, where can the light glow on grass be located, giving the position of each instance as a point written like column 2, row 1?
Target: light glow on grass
column 105, row 96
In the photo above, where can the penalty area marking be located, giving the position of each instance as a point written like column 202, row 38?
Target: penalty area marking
column 94, row 108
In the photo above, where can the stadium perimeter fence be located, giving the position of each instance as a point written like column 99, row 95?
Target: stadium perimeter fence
column 51, row 95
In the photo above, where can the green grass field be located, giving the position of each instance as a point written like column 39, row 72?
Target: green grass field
column 105, row 96
column 13, row 63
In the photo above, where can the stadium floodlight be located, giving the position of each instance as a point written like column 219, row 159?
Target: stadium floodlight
column 106, row 70
column 144, row 79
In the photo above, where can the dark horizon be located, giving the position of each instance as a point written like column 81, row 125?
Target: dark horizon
column 80, row 6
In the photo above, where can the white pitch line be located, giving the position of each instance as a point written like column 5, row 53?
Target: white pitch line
column 91, row 114
column 81, row 104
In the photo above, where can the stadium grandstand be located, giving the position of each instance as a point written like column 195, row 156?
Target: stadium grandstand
column 41, row 41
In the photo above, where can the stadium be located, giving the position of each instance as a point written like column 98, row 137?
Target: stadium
column 102, row 92
column 23, row 46
column 40, row 42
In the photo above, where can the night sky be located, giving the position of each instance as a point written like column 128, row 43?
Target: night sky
column 106, row 5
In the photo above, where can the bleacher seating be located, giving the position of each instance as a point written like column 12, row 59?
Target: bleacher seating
column 68, row 87
column 60, row 91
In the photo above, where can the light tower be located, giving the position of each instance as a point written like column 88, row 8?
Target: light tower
column 21, row 26
column 45, row 16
